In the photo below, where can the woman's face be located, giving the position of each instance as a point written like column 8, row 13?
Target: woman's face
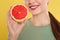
column 36, row 6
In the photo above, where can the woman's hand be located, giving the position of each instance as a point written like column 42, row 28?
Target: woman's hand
column 13, row 27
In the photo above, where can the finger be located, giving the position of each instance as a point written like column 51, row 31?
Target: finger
column 9, row 14
column 20, row 26
column 24, row 22
column 10, row 20
column 8, row 17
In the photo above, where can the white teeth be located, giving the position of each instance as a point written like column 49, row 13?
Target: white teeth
column 33, row 6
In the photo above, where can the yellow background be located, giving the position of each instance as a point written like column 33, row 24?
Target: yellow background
column 54, row 8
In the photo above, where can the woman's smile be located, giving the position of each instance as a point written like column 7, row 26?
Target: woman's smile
column 36, row 6
column 33, row 7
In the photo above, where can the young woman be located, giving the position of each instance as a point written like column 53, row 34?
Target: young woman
column 42, row 25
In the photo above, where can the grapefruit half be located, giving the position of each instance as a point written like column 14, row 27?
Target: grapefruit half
column 19, row 12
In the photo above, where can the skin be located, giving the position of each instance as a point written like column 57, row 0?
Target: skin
column 13, row 27
column 40, row 17
column 40, row 14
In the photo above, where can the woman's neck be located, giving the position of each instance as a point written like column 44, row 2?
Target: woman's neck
column 41, row 19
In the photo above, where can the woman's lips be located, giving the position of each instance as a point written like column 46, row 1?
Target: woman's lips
column 33, row 7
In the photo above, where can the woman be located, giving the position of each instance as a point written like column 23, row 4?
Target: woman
column 42, row 25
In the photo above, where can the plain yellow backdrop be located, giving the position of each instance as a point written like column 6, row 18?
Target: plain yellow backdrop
column 54, row 8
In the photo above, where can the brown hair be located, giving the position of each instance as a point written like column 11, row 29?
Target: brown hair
column 55, row 25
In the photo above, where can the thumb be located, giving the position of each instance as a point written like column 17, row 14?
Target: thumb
column 23, row 23
column 20, row 26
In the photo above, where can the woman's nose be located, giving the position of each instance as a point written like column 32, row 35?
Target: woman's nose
column 31, row 2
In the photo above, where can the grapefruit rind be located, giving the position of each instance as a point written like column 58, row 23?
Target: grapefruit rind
column 21, row 20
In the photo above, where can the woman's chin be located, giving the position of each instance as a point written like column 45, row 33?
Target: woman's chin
column 35, row 12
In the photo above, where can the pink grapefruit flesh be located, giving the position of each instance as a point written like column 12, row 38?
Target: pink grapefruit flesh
column 19, row 12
